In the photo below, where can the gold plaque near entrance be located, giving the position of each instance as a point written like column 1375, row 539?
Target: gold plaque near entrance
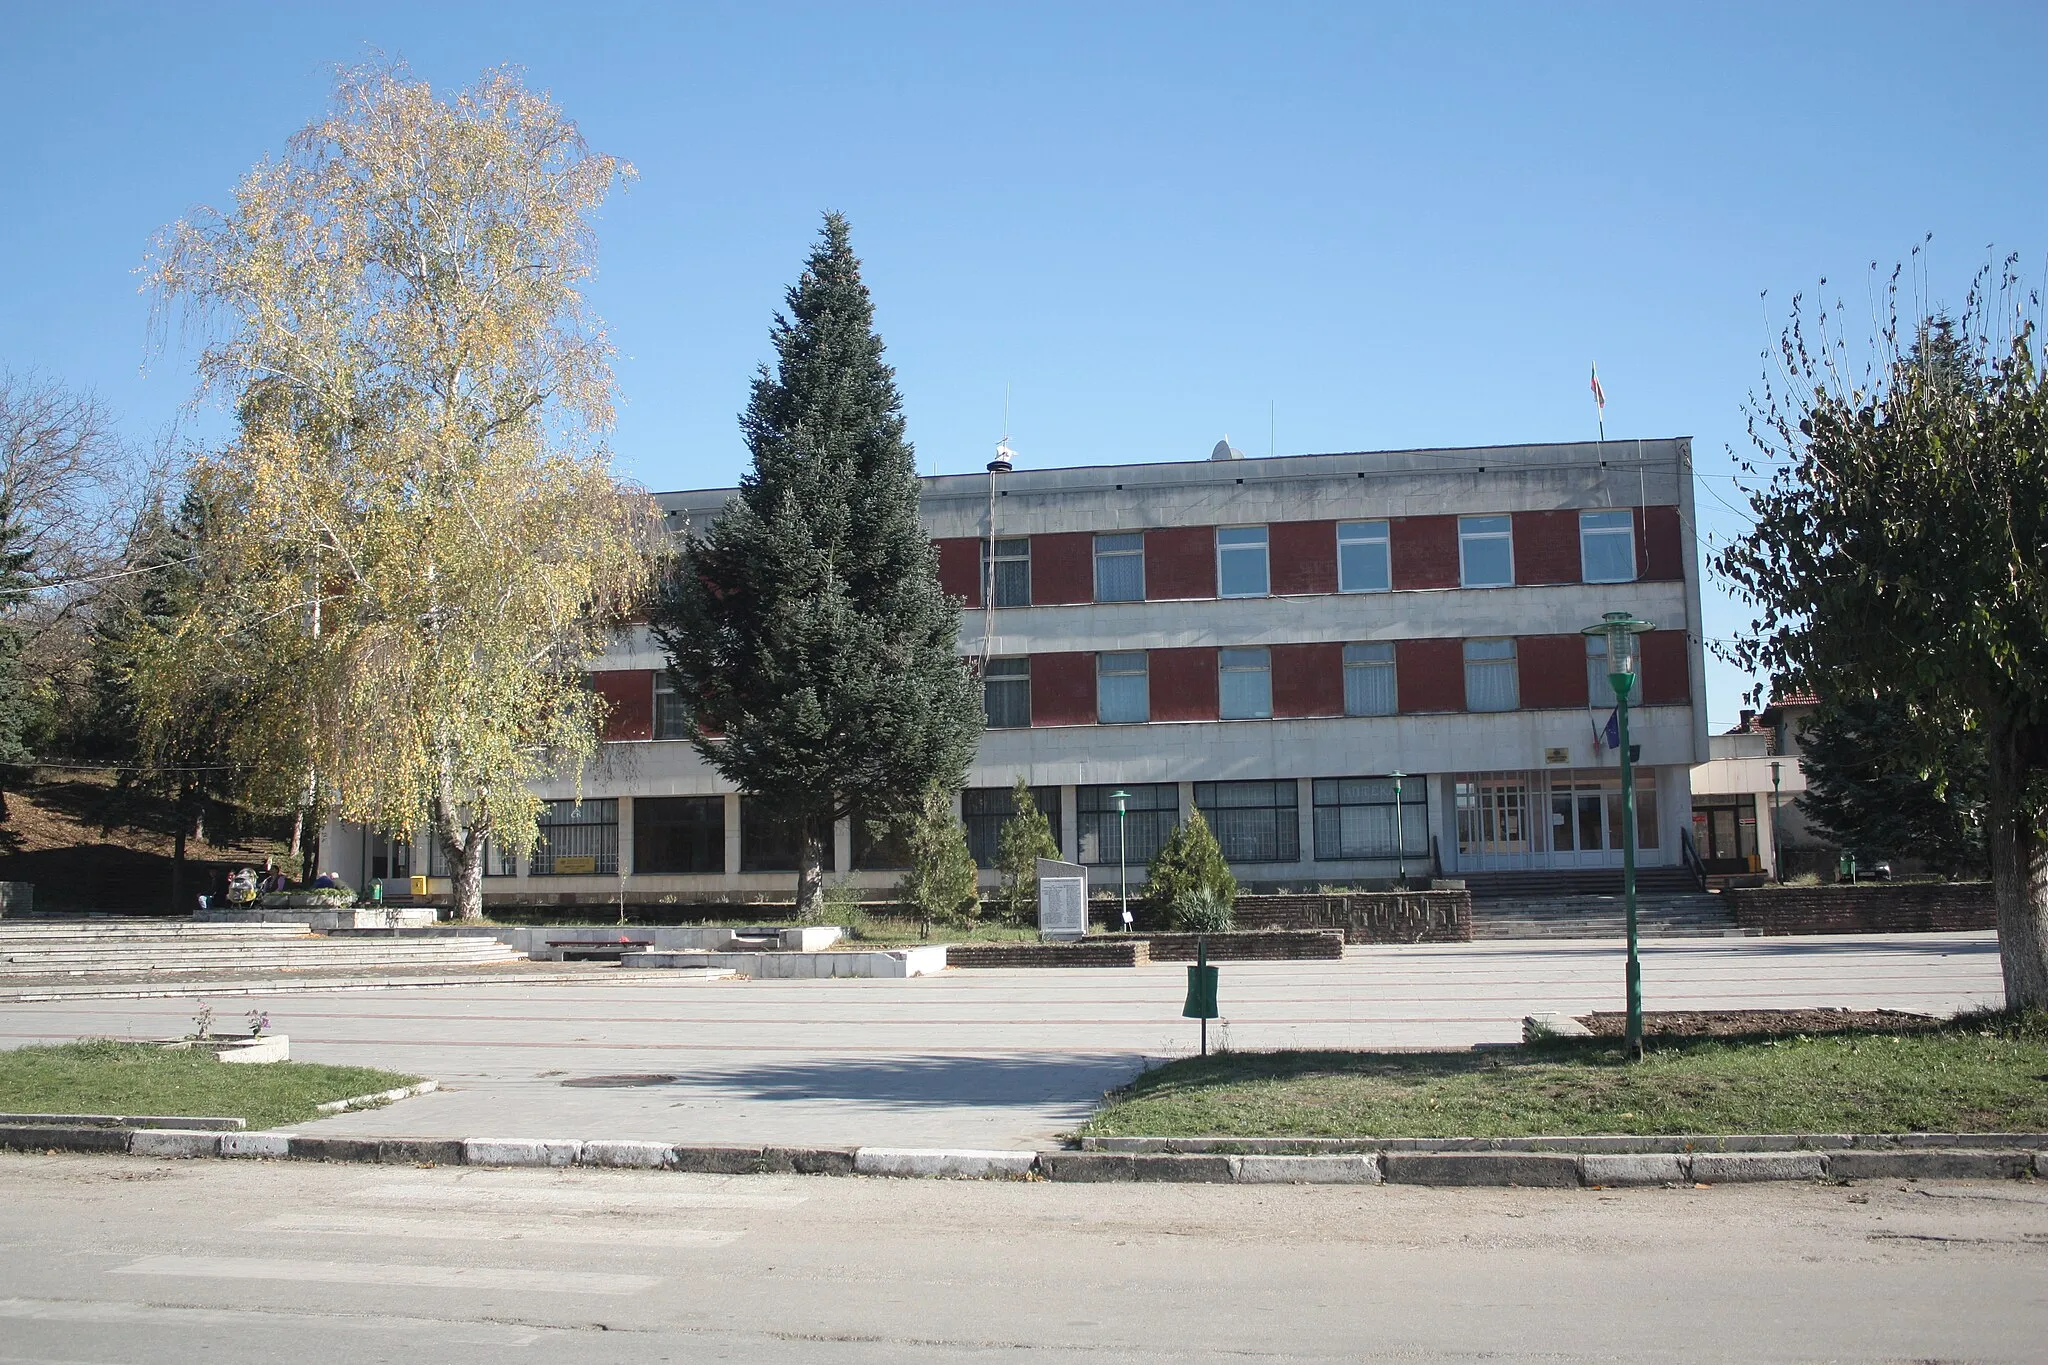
column 1557, row 755
column 580, row 863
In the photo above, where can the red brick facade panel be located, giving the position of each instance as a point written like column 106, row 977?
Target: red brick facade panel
column 1062, row 568
column 629, row 700
column 1302, row 556
column 1546, row 547
column 1424, row 551
column 1180, row 562
column 960, row 568
column 1182, row 683
column 1664, row 667
column 1062, row 689
column 1308, row 680
column 1551, row 669
column 1660, row 544
column 1429, row 675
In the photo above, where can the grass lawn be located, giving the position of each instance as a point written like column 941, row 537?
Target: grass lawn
column 99, row 1076
column 1981, row 1074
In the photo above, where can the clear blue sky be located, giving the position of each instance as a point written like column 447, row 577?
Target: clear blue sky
column 1384, row 226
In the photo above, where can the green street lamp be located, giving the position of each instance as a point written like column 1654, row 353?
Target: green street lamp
column 1123, row 868
column 1400, row 835
column 1620, row 629
column 1777, row 853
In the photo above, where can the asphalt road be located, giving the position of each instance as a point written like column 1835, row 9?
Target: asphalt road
column 978, row 1058
column 109, row 1259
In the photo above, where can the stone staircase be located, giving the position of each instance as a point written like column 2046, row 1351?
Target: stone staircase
column 45, row 952
column 1588, row 904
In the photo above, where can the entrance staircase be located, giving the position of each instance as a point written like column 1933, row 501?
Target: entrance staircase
column 1588, row 904
column 45, row 952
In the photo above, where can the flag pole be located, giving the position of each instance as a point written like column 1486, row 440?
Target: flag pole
column 1599, row 405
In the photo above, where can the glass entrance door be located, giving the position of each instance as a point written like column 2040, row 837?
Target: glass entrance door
column 1585, row 823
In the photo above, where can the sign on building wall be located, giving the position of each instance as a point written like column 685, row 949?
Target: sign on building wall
column 1062, row 899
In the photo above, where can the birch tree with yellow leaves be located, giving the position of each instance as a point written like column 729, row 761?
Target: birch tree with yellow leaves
column 418, row 544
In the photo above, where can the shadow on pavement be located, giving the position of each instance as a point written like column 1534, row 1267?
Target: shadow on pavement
column 939, row 1081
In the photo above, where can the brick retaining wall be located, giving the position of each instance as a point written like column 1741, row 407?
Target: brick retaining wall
column 1863, row 908
column 1367, row 916
column 1104, row 952
column 1271, row 945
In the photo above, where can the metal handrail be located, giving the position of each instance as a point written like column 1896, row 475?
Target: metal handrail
column 1691, row 857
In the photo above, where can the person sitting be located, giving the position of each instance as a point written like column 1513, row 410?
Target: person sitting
column 326, row 881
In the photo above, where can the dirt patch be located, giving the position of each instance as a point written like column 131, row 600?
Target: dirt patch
column 1746, row 1023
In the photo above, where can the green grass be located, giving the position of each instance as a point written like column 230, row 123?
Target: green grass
column 99, row 1076
column 1981, row 1074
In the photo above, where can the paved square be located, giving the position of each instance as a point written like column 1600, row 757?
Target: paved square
column 981, row 1058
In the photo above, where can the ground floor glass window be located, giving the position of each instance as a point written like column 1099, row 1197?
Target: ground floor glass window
column 1356, row 817
column 577, row 838
column 986, row 809
column 1152, row 811
column 678, row 835
column 1254, row 822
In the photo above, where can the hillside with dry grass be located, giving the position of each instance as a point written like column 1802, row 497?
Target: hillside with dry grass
column 89, row 846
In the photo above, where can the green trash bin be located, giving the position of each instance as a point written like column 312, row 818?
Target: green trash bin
column 1201, row 1002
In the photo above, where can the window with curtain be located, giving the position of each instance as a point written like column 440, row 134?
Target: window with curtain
column 1121, row 693
column 577, row 839
column 678, row 835
column 1241, row 561
column 671, row 709
column 1120, row 567
column 1369, row 681
column 1354, row 817
column 1486, row 552
column 1012, row 565
column 1006, row 694
column 1362, row 558
column 985, row 810
column 1254, row 822
column 1490, row 675
column 1153, row 811
column 1607, row 546
column 1599, row 691
column 1246, row 683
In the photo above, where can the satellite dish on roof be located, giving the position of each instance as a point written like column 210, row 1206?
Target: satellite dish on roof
column 1226, row 451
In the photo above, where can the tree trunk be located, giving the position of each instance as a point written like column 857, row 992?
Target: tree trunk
column 810, row 873
column 2019, row 863
column 466, row 873
column 178, row 906
column 298, row 831
column 309, row 855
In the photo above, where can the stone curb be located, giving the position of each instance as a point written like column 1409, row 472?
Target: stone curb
column 1679, row 1143
column 403, row 1092
column 1544, row 1169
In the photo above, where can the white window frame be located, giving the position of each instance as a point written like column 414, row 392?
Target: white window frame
column 1495, row 664
column 1620, row 524
column 1366, row 534
column 1143, row 673
column 1252, row 669
column 667, row 703
column 1004, row 551
column 1485, row 529
column 1009, row 677
column 1372, row 657
column 1119, row 552
column 1244, row 546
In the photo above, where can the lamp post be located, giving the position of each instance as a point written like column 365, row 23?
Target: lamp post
column 1123, row 868
column 1777, row 853
column 1621, row 629
column 1400, row 834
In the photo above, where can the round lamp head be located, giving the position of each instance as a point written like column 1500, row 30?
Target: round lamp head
column 1120, row 796
column 1620, row 629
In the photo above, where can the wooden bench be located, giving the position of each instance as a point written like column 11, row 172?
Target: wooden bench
column 599, row 949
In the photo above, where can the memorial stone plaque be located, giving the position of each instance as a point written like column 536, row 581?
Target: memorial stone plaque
column 1062, row 899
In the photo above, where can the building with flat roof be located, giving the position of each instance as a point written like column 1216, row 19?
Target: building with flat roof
column 1271, row 641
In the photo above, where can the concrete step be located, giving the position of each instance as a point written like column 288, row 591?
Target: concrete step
column 68, row 952
column 1658, row 915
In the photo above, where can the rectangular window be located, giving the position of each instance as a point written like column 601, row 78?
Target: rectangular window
column 1120, row 567
column 1607, row 546
column 1254, row 822
column 577, row 839
column 766, row 843
column 1362, row 561
column 987, row 809
column 1241, row 561
column 1486, row 552
column 1369, row 685
column 1122, row 696
column 1246, row 684
column 671, row 711
column 1006, row 694
column 1490, row 675
column 1151, row 813
column 677, row 835
column 497, row 862
column 1012, row 566
column 1493, row 816
column 1599, row 691
column 880, row 845
column 1357, row 817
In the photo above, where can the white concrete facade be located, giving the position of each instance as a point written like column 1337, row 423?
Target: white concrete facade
column 1554, row 754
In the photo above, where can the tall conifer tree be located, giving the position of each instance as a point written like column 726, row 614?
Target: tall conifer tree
column 807, row 622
